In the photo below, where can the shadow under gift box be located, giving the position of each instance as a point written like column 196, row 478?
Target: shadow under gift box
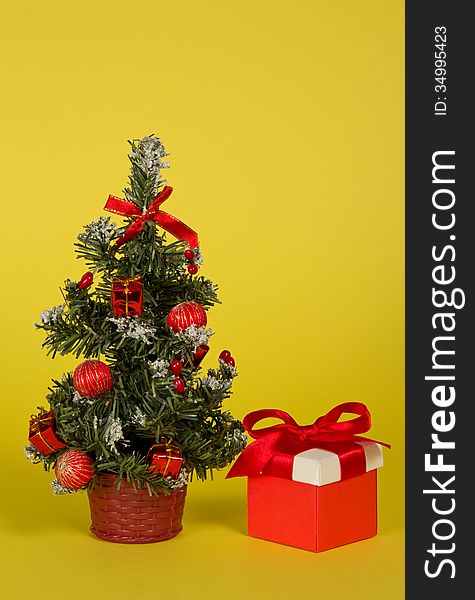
column 315, row 510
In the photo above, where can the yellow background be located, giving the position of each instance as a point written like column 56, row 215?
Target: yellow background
column 284, row 121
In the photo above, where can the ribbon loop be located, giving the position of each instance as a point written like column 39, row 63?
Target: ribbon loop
column 266, row 413
column 327, row 432
column 330, row 421
column 153, row 213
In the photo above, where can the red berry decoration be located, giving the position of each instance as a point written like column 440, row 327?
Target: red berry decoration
column 74, row 469
column 225, row 355
column 192, row 269
column 176, row 367
column 86, row 281
column 189, row 254
column 92, row 378
column 186, row 314
column 179, row 385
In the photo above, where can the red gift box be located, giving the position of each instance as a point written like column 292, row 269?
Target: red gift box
column 127, row 296
column 314, row 486
column 42, row 434
column 165, row 460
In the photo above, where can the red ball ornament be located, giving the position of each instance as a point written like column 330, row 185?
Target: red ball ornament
column 74, row 469
column 86, row 281
column 186, row 314
column 189, row 254
column 231, row 362
column 92, row 378
column 192, row 269
column 176, row 366
column 225, row 355
column 179, row 385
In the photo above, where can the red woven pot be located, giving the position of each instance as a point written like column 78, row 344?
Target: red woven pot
column 131, row 516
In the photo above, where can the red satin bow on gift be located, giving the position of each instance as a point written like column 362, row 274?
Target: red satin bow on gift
column 286, row 439
column 153, row 213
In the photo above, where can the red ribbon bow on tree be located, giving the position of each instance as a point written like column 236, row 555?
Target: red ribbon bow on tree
column 288, row 438
column 153, row 213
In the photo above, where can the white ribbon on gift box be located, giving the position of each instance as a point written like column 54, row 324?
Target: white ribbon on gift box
column 321, row 467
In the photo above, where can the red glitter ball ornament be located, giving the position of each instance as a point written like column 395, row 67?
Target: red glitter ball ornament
column 179, row 385
column 192, row 269
column 74, row 469
column 186, row 314
column 176, row 366
column 92, row 378
column 189, row 254
column 86, row 281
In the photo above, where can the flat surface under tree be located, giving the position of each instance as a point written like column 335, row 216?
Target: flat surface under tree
column 211, row 558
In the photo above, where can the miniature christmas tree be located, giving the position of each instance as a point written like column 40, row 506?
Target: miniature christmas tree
column 137, row 408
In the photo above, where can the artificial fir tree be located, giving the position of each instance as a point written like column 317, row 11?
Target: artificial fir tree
column 136, row 407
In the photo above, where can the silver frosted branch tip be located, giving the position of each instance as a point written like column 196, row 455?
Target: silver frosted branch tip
column 148, row 154
column 195, row 336
column 59, row 489
column 100, row 230
column 135, row 329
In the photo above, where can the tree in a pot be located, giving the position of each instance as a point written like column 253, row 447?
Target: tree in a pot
column 136, row 419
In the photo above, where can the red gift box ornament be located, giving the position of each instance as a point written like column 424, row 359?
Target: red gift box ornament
column 42, row 434
column 311, row 486
column 165, row 459
column 127, row 296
